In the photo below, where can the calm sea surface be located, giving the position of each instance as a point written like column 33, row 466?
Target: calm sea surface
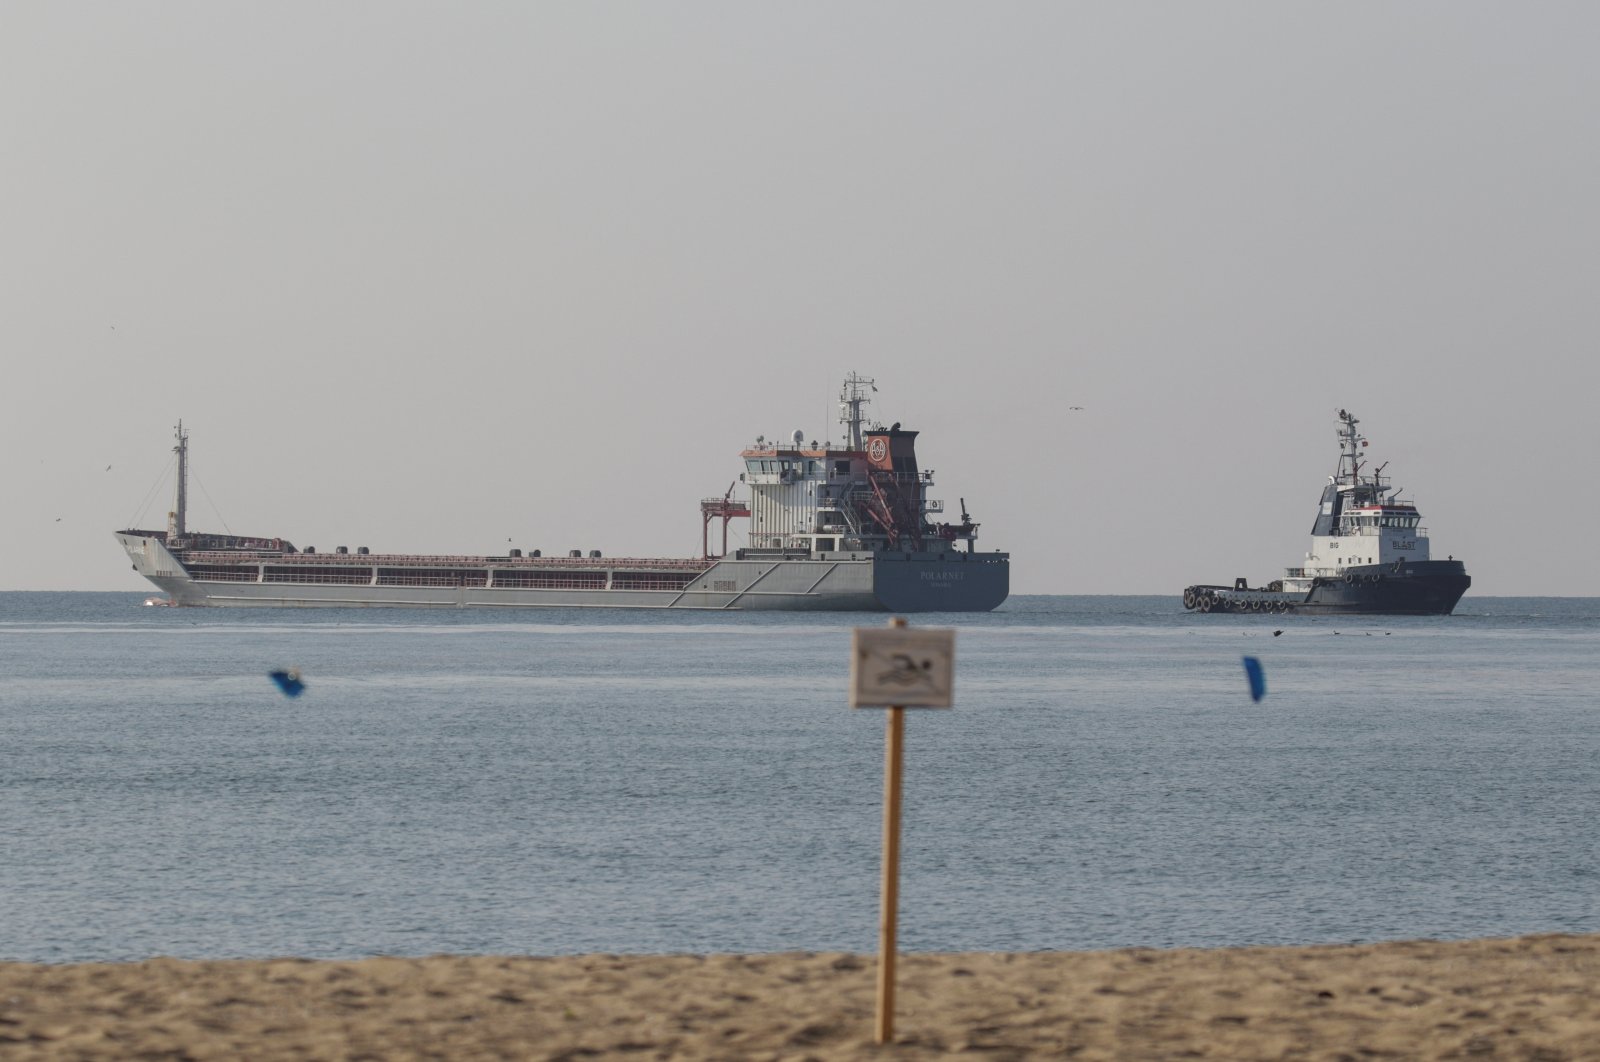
column 546, row 782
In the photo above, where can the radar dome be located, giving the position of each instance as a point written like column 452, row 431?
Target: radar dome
column 798, row 437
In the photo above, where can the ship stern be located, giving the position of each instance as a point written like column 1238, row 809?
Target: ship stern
column 941, row 582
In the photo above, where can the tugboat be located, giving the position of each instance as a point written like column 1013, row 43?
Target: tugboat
column 1369, row 554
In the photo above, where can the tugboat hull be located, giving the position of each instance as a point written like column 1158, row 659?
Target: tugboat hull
column 1424, row 588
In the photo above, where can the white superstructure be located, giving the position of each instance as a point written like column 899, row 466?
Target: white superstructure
column 1362, row 521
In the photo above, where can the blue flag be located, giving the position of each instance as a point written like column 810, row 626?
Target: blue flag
column 1257, row 677
column 289, row 682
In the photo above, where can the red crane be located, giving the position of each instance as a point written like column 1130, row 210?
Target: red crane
column 727, row 509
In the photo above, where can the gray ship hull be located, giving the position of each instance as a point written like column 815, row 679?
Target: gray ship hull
column 949, row 581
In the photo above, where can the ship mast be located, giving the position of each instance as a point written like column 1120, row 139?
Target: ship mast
column 1349, row 441
column 177, row 518
column 851, row 398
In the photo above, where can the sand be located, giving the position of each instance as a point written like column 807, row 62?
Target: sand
column 1532, row 998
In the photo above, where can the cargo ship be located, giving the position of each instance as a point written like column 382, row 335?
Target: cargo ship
column 845, row 527
column 1369, row 554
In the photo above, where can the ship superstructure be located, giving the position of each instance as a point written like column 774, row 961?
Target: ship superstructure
column 1369, row 552
column 869, row 495
column 837, row 528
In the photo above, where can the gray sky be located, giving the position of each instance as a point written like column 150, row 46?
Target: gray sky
column 426, row 277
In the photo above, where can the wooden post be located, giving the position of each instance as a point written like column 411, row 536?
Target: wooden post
column 897, row 669
column 889, row 893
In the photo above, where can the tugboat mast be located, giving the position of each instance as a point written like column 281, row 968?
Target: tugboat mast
column 176, row 520
column 1349, row 441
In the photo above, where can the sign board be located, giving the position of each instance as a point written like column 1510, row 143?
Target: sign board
column 902, row 667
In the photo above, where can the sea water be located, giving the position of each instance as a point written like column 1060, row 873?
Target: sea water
column 555, row 781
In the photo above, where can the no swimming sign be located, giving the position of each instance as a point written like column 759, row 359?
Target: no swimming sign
column 902, row 668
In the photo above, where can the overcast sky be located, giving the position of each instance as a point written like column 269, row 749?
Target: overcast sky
column 457, row 276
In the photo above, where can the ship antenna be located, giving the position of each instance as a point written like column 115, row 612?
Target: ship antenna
column 851, row 398
column 180, row 506
column 1349, row 441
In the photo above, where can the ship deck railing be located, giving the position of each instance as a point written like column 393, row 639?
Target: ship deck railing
column 433, row 560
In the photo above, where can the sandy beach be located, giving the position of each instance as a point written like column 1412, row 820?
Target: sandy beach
column 1530, row 998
